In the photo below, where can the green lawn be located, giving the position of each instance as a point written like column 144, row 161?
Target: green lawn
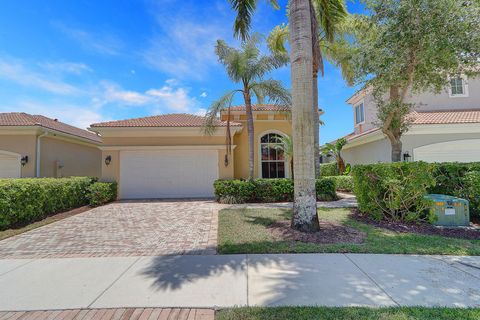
column 244, row 231
column 324, row 313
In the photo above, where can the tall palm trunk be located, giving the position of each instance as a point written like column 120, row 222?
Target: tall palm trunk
column 248, row 110
column 305, row 206
column 316, row 122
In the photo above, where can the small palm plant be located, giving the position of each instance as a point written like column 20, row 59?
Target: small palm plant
column 247, row 67
column 286, row 145
column 335, row 149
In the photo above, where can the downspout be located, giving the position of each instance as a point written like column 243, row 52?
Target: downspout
column 37, row 154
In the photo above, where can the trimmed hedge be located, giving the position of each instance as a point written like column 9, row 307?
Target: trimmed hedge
column 343, row 183
column 102, row 192
column 459, row 180
column 267, row 190
column 394, row 191
column 328, row 169
column 26, row 200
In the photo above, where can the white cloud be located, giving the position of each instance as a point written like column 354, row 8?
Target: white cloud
column 114, row 93
column 66, row 67
column 75, row 115
column 203, row 95
column 17, row 71
column 103, row 43
column 183, row 48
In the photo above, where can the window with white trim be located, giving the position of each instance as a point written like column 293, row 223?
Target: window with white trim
column 359, row 113
column 272, row 156
column 458, row 87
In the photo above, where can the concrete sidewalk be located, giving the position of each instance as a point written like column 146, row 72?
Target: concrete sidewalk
column 236, row 280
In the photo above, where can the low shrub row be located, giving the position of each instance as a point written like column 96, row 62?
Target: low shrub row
column 267, row 190
column 328, row 169
column 343, row 183
column 102, row 192
column 26, row 200
column 395, row 191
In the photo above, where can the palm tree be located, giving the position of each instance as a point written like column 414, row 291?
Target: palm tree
column 286, row 145
column 330, row 15
column 335, row 149
column 247, row 66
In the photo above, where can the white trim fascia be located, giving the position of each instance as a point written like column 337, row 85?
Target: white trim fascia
column 178, row 147
column 418, row 129
column 159, row 131
column 35, row 130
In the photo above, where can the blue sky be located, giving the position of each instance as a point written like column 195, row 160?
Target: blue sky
column 89, row 61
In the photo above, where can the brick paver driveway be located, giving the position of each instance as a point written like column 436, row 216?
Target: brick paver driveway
column 123, row 229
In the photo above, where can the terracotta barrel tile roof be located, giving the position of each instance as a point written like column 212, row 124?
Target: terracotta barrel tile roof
column 24, row 119
column 433, row 117
column 446, row 117
column 262, row 107
column 165, row 120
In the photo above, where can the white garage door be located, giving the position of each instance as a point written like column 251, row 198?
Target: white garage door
column 168, row 174
column 451, row 151
column 9, row 165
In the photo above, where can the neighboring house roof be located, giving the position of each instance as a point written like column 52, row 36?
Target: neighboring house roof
column 446, row 117
column 432, row 117
column 15, row 119
column 165, row 120
column 262, row 107
column 265, row 107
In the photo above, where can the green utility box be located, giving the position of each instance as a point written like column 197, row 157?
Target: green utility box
column 450, row 211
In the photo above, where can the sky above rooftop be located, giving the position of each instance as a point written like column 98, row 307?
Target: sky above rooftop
column 90, row 61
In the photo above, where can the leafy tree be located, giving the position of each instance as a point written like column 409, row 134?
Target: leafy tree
column 410, row 46
column 335, row 149
column 247, row 66
column 286, row 145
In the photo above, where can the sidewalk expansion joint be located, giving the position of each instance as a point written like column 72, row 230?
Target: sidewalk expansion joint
column 373, row 280
column 113, row 282
column 18, row 267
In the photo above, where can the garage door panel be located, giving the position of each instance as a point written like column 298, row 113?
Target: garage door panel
column 168, row 173
column 467, row 150
column 9, row 166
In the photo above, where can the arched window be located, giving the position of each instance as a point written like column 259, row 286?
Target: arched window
column 273, row 158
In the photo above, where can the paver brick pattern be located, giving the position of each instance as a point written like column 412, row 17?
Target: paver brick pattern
column 133, row 228
column 113, row 314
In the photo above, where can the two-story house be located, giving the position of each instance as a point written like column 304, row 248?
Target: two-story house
column 445, row 126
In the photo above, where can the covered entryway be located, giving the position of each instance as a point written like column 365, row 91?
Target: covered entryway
column 10, row 166
column 168, row 173
column 467, row 150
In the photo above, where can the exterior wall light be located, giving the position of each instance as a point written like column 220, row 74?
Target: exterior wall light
column 108, row 159
column 406, row 156
column 225, row 161
column 24, row 160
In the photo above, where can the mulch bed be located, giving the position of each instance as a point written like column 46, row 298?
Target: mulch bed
column 329, row 233
column 420, row 228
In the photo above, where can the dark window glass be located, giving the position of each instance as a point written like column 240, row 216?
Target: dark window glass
column 280, row 169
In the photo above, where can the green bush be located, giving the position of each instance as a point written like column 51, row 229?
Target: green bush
column 267, row 190
column 343, row 183
column 394, row 191
column 102, row 192
column 459, row 180
column 328, row 169
column 26, row 200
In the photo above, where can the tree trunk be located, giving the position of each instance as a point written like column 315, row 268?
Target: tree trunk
column 248, row 110
column 396, row 149
column 316, row 123
column 340, row 164
column 305, row 203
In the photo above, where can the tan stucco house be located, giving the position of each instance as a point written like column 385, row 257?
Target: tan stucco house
column 170, row 156
column 445, row 127
column 37, row 146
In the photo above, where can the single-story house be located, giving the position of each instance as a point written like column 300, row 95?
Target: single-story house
column 37, row 146
column 170, row 156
